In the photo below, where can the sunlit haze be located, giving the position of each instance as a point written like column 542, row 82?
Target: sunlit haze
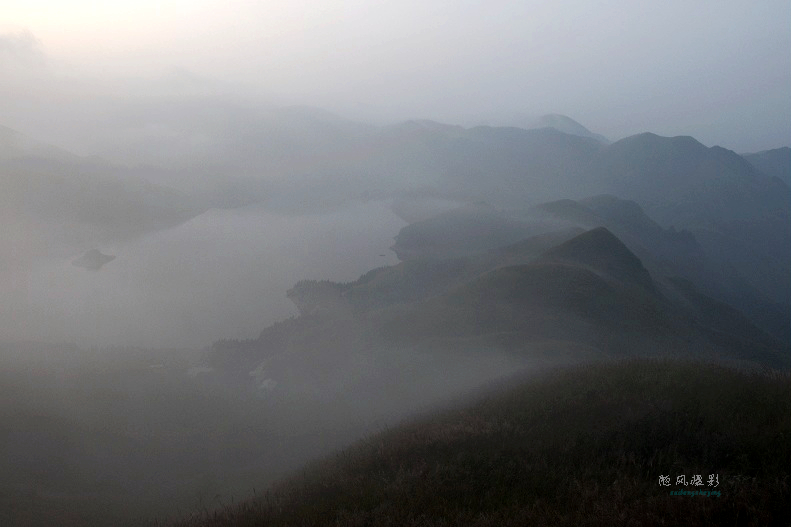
column 718, row 71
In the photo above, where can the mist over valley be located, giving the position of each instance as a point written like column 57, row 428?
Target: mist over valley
column 355, row 266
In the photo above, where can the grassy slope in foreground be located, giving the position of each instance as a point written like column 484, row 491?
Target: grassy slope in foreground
column 578, row 447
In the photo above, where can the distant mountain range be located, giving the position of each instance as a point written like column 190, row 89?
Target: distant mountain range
column 63, row 202
column 561, row 295
column 666, row 252
column 567, row 125
column 706, row 214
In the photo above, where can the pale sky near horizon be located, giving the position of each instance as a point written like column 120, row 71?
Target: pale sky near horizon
column 717, row 70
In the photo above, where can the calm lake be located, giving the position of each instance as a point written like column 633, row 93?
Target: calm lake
column 223, row 274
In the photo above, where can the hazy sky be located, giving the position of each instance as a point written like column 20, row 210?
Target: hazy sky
column 717, row 70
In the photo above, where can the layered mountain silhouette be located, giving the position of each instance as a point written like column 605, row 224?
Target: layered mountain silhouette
column 739, row 215
column 775, row 163
column 672, row 253
column 591, row 287
column 681, row 182
column 588, row 296
column 312, row 159
column 567, row 125
column 72, row 202
column 462, row 231
column 705, row 214
column 667, row 252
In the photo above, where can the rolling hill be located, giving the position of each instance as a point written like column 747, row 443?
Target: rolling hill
column 586, row 446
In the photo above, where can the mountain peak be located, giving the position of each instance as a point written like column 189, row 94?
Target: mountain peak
column 684, row 143
column 567, row 125
column 602, row 251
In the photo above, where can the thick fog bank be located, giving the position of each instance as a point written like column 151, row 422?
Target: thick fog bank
column 223, row 274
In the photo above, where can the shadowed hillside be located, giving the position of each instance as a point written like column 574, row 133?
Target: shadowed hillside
column 590, row 289
column 668, row 252
column 600, row 249
column 737, row 213
column 578, row 447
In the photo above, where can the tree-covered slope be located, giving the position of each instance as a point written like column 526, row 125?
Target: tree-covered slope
column 598, row 445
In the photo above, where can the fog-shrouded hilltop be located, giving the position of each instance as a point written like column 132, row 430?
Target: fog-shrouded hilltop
column 567, row 125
